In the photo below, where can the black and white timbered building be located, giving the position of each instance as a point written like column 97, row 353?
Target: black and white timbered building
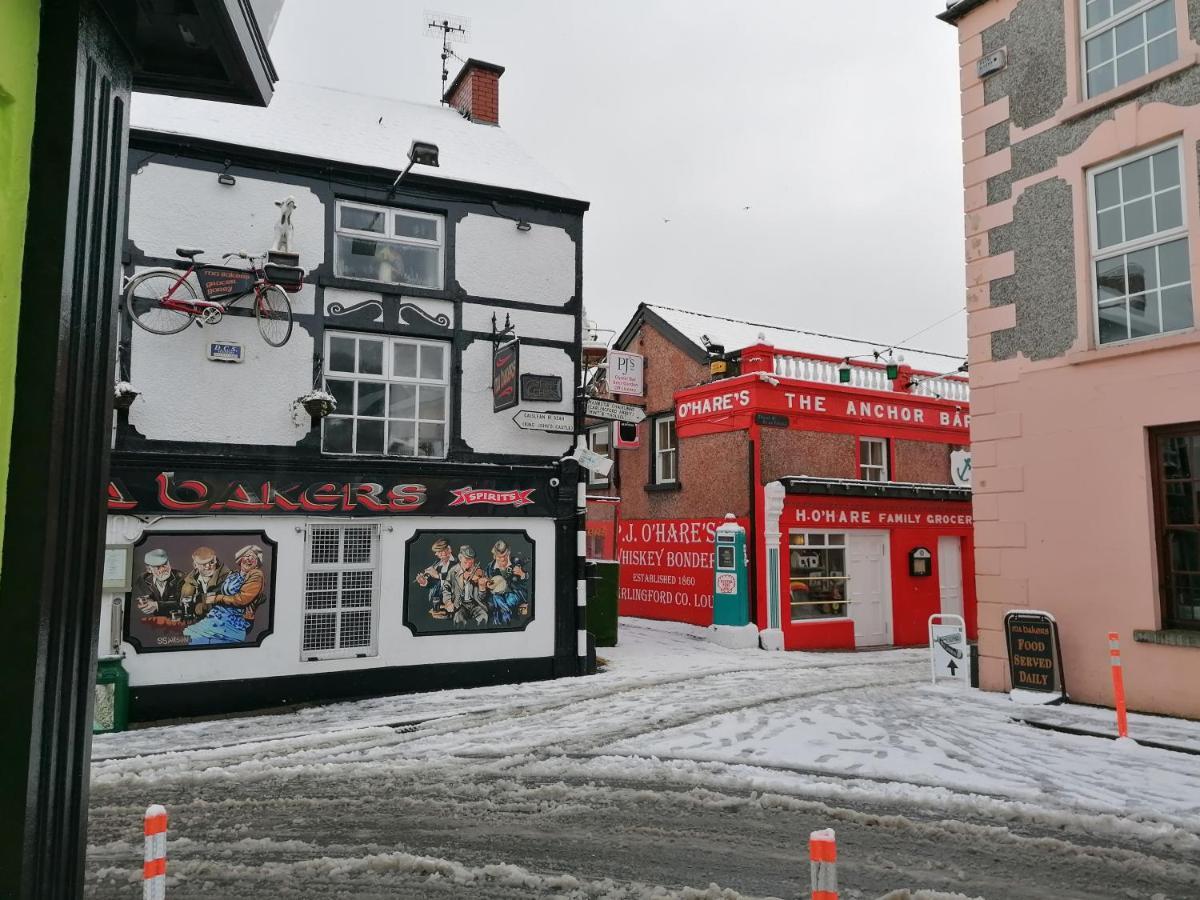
column 416, row 537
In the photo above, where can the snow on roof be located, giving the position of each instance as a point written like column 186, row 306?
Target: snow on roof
column 734, row 334
column 339, row 126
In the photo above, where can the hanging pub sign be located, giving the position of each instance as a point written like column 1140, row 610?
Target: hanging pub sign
column 506, row 367
column 541, row 388
column 1034, row 654
column 142, row 491
column 624, row 373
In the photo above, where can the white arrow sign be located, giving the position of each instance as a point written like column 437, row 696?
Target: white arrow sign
column 536, row 420
column 949, row 653
column 620, row 412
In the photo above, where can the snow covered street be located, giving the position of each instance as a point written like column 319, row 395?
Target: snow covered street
column 682, row 766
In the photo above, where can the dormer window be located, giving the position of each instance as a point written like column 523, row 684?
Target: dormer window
column 395, row 246
column 1125, row 39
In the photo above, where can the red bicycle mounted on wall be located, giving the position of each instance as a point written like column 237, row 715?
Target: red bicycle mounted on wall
column 163, row 301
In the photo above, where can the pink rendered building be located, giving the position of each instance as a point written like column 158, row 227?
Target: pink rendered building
column 1080, row 126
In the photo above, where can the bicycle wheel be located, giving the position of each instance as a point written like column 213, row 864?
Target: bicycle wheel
column 143, row 301
column 274, row 313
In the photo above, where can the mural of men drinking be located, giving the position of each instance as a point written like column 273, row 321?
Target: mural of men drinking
column 469, row 581
column 208, row 603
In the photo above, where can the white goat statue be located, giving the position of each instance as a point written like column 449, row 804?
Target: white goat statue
column 284, row 232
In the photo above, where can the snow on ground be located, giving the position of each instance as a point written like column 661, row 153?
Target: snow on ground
column 857, row 738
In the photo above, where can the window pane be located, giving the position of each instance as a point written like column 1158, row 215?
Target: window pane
column 1119, row 6
column 1110, row 277
column 1160, row 19
column 1108, row 188
column 1113, row 325
column 431, row 440
column 1098, row 11
column 1130, row 34
column 1131, row 66
column 1177, row 308
column 341, row 354
column 433, row 402
column 370, row 399
column 1181, row 503
column 416, row 265
column 1166, row 168
column 433, row 362
column 416, row 227
column 1099, row 49
column 362, row 219
column 1143, row 270
column 1101, row 80
column 357, row 258
column 1185, row 550
column 1109, row 228
column 370, row 436
column 1139, row 219
column 1173, row 263
column 1135, row 179
column 1176, row 458
column 343, row 393
column 402, row 401
column 401, row 438
column 370, row 357
column 1167, row 210
column 1163, row 51
column 337, row 435
column 1143, row 315
column 404, row 361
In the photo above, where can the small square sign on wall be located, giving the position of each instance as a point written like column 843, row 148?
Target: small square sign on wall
column 625, row 373
column 225, row 351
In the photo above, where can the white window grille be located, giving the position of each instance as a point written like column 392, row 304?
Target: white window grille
column 396, row 246
column 1140, row 267
column 1125, row 39
column 872, row 459
column 341, row 593
column 393, row 395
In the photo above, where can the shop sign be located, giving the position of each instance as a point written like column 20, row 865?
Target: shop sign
column 541, row 388
column 960, row 468
column 866, row 518
column 1034, row 656
column 616, row 412
column 153, row 492
column 948, row 650
column 666, row 568
column 624, row 373
column 772, row 420
column 506, row 364
column 540, row 420
column 225, row 351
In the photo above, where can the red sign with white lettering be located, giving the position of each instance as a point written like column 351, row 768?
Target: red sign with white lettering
column 667, row 568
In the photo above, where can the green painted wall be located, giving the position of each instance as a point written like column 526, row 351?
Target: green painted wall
column 18, row 83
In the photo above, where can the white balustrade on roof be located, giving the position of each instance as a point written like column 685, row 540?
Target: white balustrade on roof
column 871, row 378
column 942, row 388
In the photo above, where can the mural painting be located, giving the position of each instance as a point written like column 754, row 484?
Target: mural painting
column 200, row 590
column 468, row 581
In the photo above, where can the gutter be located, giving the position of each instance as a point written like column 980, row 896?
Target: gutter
column 956, row 10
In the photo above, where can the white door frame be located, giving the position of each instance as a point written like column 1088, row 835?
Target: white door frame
column 957, row 543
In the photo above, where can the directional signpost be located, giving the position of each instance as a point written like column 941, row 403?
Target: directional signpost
column 538, row 420
column 948, row 652
column 617, row 412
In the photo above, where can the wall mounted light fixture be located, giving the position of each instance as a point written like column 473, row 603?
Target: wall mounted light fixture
column 225, row 178
column 522, row 225
column 420, row 153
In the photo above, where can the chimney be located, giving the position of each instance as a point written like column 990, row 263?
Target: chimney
column 475, row 91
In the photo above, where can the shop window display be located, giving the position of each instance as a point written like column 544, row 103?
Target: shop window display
column 817, row 570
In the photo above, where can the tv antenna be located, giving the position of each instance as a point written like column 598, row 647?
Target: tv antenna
column 452, row 30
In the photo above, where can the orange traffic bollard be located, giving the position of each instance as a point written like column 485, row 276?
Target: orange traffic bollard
column 154, row 868
column 1114, row 653
column 822, row 855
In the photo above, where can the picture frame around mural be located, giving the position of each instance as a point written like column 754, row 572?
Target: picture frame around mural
column 468, row 582
column 200, row 590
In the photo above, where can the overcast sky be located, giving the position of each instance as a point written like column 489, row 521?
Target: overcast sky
column 837, row 124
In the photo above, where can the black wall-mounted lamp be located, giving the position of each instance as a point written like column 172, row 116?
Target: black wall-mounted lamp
column 522, row 225
column 420, row 153
column 225, row 178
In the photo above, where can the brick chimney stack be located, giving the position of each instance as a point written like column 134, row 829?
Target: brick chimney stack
column 475, row 91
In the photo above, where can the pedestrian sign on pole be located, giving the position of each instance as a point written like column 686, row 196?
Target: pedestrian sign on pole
column 949, row 655
column 618, row 412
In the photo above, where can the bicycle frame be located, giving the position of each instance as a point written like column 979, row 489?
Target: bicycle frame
column 196, row 307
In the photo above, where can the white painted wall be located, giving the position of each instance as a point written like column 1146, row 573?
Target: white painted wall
column 279, row 653
column 494, row 259
column 188, row 397
column 548, row 326
column 491, row 432
column 171, row 206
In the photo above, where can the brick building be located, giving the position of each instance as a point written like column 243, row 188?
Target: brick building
column 837, row 483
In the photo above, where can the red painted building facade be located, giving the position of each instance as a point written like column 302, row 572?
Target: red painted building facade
column 856, row 528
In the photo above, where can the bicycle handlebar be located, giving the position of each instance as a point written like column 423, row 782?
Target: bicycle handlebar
column 242, row 254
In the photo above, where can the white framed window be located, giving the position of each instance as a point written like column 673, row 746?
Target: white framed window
column 599, row 441
column 873, row 459
column 1125, row 39
column 393, row 395
column 666, row 451
column 341, row 591
column 396, row 246
column 817, row 570
column 1141, row 276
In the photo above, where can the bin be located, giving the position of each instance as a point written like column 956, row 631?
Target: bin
column 110, row 711
column 602, row 602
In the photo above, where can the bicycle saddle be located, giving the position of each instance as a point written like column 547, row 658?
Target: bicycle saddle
column 190, row 252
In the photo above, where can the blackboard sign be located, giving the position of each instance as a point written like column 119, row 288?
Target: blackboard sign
column 1034, row 658
column 505, row 367
column 541, row 388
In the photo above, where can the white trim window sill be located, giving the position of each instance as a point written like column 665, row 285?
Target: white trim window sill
column 1134, row 347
